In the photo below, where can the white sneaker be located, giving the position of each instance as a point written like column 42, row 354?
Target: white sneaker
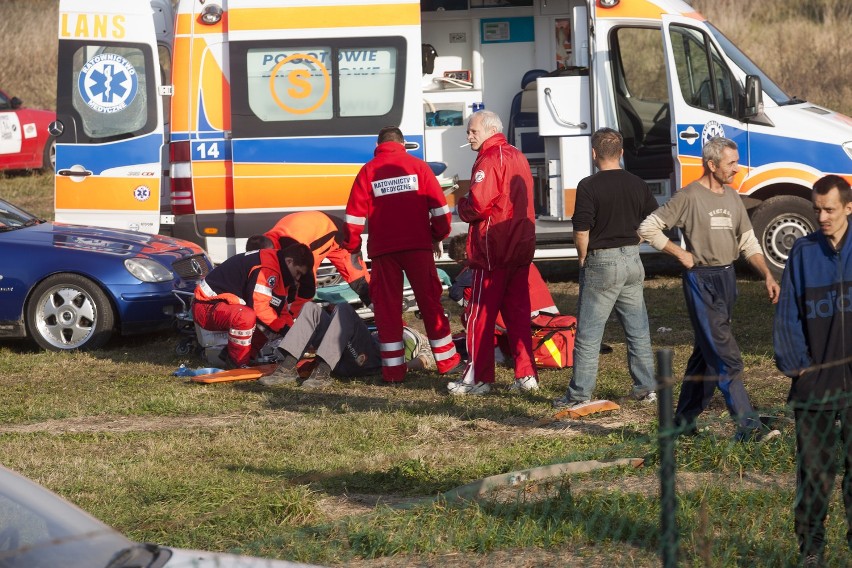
column 526, row 384
column 462, row 388
column 649, row 398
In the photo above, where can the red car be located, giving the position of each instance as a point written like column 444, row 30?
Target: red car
column 24, row 141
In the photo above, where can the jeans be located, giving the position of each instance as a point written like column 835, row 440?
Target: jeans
column 612, row 278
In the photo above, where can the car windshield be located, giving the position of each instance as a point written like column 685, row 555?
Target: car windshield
column 39, row 529
column 741, row 59
column 12, row 218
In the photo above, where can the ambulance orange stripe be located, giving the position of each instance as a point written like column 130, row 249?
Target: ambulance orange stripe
column 308, row 17
column 184, row 25
column 292, row 192
column 569, row 198
column 210, row 169
column 642, row 9
column 633, row 9
column 807, row 178
column 104, row 193
column 216, row 94
column 300, row 170
column 211, row 193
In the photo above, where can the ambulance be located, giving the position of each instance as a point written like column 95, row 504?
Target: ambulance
column 210, row 119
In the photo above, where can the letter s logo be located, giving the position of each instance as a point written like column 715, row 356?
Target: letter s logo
column 298, row 85
column 300, row 79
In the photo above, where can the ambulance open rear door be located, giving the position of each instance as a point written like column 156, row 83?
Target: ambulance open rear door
column 110, row 123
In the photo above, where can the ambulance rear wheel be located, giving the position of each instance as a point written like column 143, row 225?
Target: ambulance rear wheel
column 777, row 223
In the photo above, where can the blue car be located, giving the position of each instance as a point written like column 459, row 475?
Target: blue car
column 71, row 287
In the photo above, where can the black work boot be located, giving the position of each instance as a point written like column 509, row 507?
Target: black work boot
column 320, row 376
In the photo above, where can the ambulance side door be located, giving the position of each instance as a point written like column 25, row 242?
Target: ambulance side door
column 309, row 98
column 704, row 96
column 109, row 130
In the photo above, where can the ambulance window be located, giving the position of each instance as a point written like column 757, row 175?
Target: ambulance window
column 641, row 64
column 337, row 87
column 704, row 80
column 110, row 90
column 367, row 78
column 292, row 84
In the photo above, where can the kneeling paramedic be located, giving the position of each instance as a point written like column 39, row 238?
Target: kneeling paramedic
column 324, row 234
column 250, row 293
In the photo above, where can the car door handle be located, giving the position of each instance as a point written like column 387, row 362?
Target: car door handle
column 74, row 173
column 687, row 135
column 411, row 145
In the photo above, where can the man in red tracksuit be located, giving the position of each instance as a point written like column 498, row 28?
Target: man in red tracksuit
column 249, row 292
column 324, row 235
column 500, row 249
column 401, row 198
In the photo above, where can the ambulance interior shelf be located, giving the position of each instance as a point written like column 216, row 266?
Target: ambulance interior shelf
column 445, row 113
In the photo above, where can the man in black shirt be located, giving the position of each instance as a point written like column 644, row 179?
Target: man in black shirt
column 610, row 205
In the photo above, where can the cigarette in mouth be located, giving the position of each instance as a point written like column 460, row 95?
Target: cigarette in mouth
column 463, row 145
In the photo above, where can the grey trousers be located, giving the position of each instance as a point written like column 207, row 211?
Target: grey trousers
column 341, row 339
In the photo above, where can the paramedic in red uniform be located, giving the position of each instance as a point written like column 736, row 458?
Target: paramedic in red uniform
column 407, row 211
column 249, row 292
column 324, row 235
column 500, row 249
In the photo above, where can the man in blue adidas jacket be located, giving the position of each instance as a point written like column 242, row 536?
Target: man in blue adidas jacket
column 813, row 346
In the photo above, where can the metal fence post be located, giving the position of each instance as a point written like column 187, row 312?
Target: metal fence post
column 666, row 435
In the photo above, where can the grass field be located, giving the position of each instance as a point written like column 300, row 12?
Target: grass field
column 353, row 475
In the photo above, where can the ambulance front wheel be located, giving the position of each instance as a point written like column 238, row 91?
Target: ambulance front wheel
column 777, row 223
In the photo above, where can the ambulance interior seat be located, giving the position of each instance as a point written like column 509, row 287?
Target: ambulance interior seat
column 648, row 154
column 523, row 126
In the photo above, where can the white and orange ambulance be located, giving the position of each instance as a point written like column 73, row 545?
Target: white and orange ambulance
column 210, row 119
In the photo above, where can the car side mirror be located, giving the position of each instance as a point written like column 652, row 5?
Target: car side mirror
column 753, row 104
column 15, row 102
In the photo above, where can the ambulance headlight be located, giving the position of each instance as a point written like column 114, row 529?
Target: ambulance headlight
column 848, row 147
column 609, row 3
column 148, row 270
column 211, row 14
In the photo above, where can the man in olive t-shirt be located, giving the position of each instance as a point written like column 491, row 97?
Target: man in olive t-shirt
column 717, row 230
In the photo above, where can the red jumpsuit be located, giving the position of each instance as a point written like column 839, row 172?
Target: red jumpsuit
column 324, row 235
column 401, row 198
column 540, row 298
column 245, row 289
column 500, row 249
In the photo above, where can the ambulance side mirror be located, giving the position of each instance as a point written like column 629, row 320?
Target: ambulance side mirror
column 753, row 104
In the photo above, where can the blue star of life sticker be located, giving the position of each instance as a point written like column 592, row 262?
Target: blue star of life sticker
column 108, row 83
column 142, row 193
column 711, row 130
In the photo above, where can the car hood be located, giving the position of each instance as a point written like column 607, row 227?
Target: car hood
column 102, row 240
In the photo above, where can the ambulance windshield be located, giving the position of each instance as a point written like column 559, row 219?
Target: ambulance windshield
column 747, row 65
